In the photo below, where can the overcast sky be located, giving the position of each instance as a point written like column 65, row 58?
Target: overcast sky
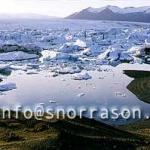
column 61, row 8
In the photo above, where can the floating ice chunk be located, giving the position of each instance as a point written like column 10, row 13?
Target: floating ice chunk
column 64, row 56
column 32, row 48
column 53, row 39
column 136, row 51
column 30, row 72
column 137, row 37
column 93, row 50
column 79, row 87
column 120, row 94
column 63, row 79
column 68, row 70
column 52, row 101
column 54, row 74
column 101, row 78
column 33, row 66
column 104, row 42
column 28, row 48
column 137, row 60
column 11, row 42
column 81, row 95
column 68, row 37
column 59, row 39
column 47, row 55
column 113, row 55
column 52, row 55
column 17, row 56
column 103, row 55
column 148, row 59
column 125, row 57
column 20, row 67
column 46, row 38
column 80, row 43
column 140, row 52
column 72, row 47
column 4, row 66
column 10, row 48
column 81, row 76
column 7, row 87
column 68, row 48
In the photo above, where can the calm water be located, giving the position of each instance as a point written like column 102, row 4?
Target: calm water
column 106, row 88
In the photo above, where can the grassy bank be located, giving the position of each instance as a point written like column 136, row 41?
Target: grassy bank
column 71, row 134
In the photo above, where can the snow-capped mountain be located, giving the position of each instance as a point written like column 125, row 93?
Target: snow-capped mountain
column 119, row 10
column 140, row 14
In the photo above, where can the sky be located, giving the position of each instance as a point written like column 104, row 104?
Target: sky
column 61, row 8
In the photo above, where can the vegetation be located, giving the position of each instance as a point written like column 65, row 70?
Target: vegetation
column 65, row 134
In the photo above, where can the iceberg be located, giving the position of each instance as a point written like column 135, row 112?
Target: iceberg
column 88, row 45
column 28, row 48
column 7, row 87
column 73, row 47
column 53, row 55
column 81, row 76
column 80, row 43
column 67, row 70
column 17, row 56
column 81, row 95
column 125, row 57
column 93, row 50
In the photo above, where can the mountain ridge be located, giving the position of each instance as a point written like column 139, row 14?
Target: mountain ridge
column 114, row 13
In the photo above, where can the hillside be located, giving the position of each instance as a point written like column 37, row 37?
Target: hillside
column 114, row 13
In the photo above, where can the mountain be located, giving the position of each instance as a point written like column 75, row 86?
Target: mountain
column 114, row 13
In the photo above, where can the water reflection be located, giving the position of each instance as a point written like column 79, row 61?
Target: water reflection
column 137, row 73
column 5, row 72
column 107, row 88
column 141, row 88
